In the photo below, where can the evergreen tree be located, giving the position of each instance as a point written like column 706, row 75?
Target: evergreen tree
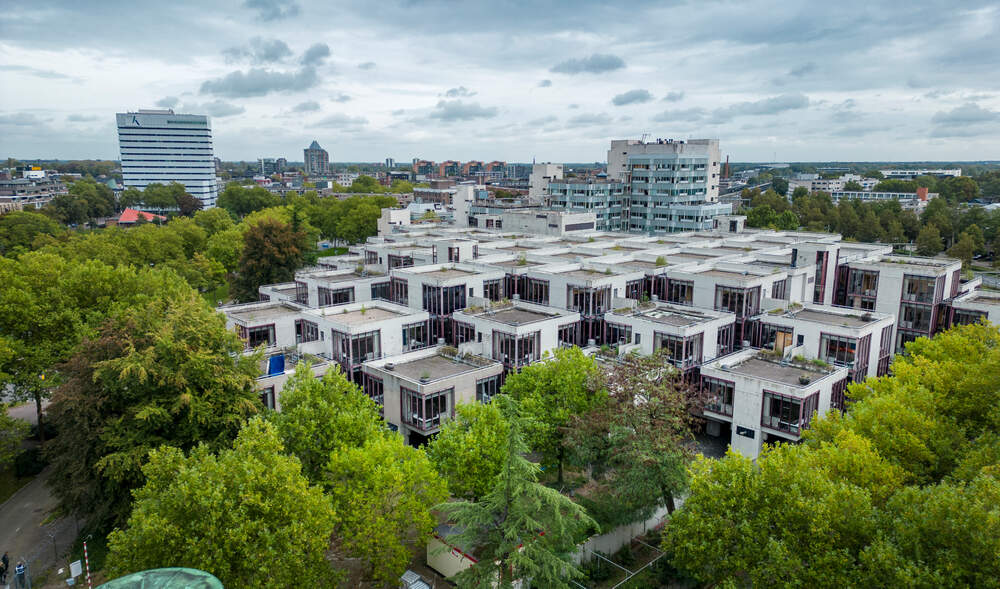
column 521, row 529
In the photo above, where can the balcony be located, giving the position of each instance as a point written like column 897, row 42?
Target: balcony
column 427, row 425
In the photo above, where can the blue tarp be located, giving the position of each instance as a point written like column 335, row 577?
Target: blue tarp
column 276, row 364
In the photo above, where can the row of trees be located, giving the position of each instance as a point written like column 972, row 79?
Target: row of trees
column 962, row 230
column 901, row 491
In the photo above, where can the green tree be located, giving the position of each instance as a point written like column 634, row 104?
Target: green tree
column 18, row 229
column 240, row 201
column 272, row 252
column 321, row 416
column 214, row 220
column 401, row 187
column 470, row 449
column 780, row 185
column 521, row 529
column 12, row 433
column 365, row 184
column 550, row 394
column 799, row 192
column 359, row 222
column 929, row 241
column 644, row 432
column 959, row 189
column 246, row 515
column 188, row 205
column 896, row 185
column 382, row 494
column 163, row 372
column 963, row 249
column 873, row 174
column 853, row 186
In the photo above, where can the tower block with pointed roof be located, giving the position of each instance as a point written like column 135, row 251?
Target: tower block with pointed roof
column 317, row 160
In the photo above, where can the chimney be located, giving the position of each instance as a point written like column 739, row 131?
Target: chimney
column 922, row 193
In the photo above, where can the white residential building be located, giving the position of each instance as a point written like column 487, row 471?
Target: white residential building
column 159, row 146
column 538, row 181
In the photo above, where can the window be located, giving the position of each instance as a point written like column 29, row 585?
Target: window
column 633, row 289
column 838, row 398
column 680, row 292
column 588, row 301
column 918, row 289
column 374, row 388
column 726, row 339
column 516, row 351
column 487, row 388
column 443, row 300
column 414, row 336
column 301, row 293
column 567, row 334
column 399, row 289
column 863, row 283
column 306, row 331
column 683, row 352
column 967, row 316
column 788, row 414
column 775, row 337
column 493, row 289
column 340, row 296
column 618, row 333
column 267, row 397
column 381, row 290
column 719, row 395
column 424, row 412
column 779, row 290
column 819, row 289
column 742, row 301
column 837, row 349
column 262, row 335
column 915, row 317
column 396, row 261
column 464, row 332
column 371, row 257
column 536, row 291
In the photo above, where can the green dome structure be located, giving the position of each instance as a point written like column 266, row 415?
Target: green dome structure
column 169, row 578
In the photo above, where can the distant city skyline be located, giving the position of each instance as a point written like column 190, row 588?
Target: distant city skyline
column 512, row 81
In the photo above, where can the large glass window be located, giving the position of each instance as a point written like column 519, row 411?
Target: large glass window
column 837, row 349
column 915, row 317
column 719, row 395
column 536, row 291
column 335, row 296
column 301, row 293
column 267, row 397
column 683, row 352
column 918, row 289
column 680, row 291
column 414, row 336
column 374, row 388
column 464, row 332
column 863, row 283
column 493, row 289
column 400, row 291
column 487, row 388
column 443, row 300
column 396, row 261
column 425, row 412
column 381, row 290
column 967, row 316
column 788, row 414
column 775, row 337
column 588, row 301
column 567, row 334
column 516, row 351
column 745, row 302
column 306, row 331
column 618, row 333
column 261, row 335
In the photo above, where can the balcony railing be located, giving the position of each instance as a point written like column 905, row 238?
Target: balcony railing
column 428, row 424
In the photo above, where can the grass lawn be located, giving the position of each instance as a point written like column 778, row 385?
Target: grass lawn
column 9, row 484
column 333, row 251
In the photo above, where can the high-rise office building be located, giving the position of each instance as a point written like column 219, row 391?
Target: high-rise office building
column 317, row 160
column 159, row 146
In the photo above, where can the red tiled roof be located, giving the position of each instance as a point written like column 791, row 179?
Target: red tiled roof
column 132, row 216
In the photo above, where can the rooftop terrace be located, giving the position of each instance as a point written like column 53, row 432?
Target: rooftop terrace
column 832, row 318
column 357, row 316
column 433, row 367
column 516, row 316
column 673, row 317
column 259, row 315
column 787, row 373
column 448, row 273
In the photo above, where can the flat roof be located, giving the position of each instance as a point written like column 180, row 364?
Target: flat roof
column 447, row 273
column 261, row 315
column 727, row 274
column 573, row 255
column 848, row 320
column 645, row 264
column 516, row 316
column 434, row 367
column 984, row 296
column 673, row 317
column 356, row 316
column 586, row 274
column 784, row 373
column 515, row 263
column 349, row 277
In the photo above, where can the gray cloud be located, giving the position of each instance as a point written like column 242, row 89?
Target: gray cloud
column 272, row 9
column 22, row 119
column 802, row 70
column 259, row 51
column 456, row 110
column 597, row 63
column 675, row 96
column 316, row 54
column 341, row 97
column 342, row 122
column 260, row 82
column 573, row 106
column 684, row 115
column 766, row 106
column 545, row 83
column 168, row 101
column 78, row 118
column 307, row 106
column 969, row 113
column 216, row 108
column 461, row 91
column 368, row 65
column 587, row 119
column 38, row 73
column 542, row 121
column 637, row 96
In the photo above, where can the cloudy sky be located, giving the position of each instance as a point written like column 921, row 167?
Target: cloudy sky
column 509, row 79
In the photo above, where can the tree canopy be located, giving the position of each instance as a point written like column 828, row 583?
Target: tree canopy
column 470, row 449
column 246, row 515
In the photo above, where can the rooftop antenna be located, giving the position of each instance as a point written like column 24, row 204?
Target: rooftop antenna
column 643, row 138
